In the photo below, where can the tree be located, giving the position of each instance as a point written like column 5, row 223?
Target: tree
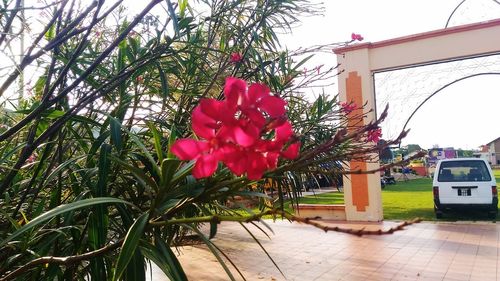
column 413, row 148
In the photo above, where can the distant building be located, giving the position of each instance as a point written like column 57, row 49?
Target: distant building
column 482, row 155
column 494, row 151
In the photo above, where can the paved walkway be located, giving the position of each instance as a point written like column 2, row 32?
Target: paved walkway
column 424, row 251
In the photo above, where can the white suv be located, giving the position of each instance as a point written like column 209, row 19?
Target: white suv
column 464, row 182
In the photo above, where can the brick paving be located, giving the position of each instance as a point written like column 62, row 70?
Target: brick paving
column 425, row 251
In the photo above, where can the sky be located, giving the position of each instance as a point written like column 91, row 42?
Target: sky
column 465, row 115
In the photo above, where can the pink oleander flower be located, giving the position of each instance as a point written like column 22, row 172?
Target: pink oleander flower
column 356, row 37
column 31, row 159
column 348, row 107
column 374, row 135
column 236, row 57
column 235, row 131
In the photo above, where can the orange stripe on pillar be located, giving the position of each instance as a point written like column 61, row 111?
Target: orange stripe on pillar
column 359, row 182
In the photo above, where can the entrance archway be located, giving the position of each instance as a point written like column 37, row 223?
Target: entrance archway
column 362, row 192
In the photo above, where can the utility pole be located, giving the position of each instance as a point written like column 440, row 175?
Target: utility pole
column 21, row 51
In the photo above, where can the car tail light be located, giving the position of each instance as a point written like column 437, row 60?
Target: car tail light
column 435, row 191
column 494, row 191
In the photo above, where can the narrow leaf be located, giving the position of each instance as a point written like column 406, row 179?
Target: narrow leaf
column 164, row 82
column 175, row 20
column 213, row 230
column 213, row 250
column 129, row 246
column 171, row 259
column 263, row 249
column 61, row 210
column 116, row 136
column 157, row 141
column 168, row 168
column 153, row 254
column 171, row 140
column 138, row 173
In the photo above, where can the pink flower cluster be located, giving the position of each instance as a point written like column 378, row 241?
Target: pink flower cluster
column 236, row 57
column 356, row 37
column 233, row 131
column 374, row 135
column 348, row 107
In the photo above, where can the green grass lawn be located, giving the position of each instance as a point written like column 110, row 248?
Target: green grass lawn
column 323, row 198
column 408, row 200
column 402, row 201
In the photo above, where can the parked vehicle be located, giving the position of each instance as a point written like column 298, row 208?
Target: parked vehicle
column 382, row 182
column 389, row 179
column 464, row 183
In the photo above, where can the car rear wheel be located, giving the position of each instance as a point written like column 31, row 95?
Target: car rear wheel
column 439, row 214
column 492, row 215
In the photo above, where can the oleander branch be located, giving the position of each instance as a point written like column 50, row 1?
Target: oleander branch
column 61, row 260
column 290, row 217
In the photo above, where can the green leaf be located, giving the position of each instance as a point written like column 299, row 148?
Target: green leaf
column 136, row 269
column 252, row 194
column 39, row 208
column 183, row 171
column 116, row 136
column 104, row 162
column 162, row 255
column 95, row 146
column 213, row 230
column 157, row 141
column 130, row 244
column 171, row 259
column 7, row 155
column 213, row 249
column 320, row 106
column 99, row 220
column 168, row 204
column 138, row 173
column 222, row 44
column 171, row 140
column 153, row 254
column 164, row 82
column 302, row 62
column 12, row 221
column 143, row 148
column 175, row 20
column 40, row 85
column 61, row 209
column 282, row 62
column 62, row 167
column 51, row 32
column 168, row 168
column 182, row 7
column 262, row 247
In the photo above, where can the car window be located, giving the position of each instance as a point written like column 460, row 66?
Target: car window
column 466, row 170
